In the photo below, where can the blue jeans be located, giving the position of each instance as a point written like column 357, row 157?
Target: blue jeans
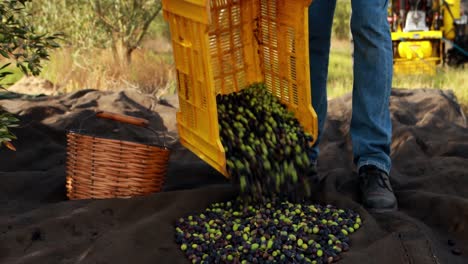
column 371, row 127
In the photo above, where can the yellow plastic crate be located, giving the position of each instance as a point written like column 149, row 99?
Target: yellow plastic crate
column 222, row 46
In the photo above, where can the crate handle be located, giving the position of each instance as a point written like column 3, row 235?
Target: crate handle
column 123, row 118
column 132, row 121
column 127, row 120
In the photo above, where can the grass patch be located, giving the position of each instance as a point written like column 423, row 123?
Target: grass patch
column 340, row 76
column 340, row 69
column 150, row 72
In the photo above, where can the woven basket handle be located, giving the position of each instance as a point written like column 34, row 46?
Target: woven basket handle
column 123, row 118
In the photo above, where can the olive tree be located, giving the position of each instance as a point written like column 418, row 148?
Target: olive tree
column 126, row 22
column 21, row 47
column 119, row 25
column 75, row 18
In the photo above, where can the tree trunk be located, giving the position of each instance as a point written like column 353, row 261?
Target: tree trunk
column 128, row 55
column 122, row 54
column 115, row 53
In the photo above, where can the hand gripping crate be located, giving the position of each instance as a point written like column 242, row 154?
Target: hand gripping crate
column 222, row 46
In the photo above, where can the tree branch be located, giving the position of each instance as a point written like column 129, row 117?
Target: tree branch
column 147, row 24
column 102, row 18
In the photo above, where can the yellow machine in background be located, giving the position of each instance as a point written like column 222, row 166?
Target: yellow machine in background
column 420, row 31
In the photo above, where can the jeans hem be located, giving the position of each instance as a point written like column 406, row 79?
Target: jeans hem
column 379, row 165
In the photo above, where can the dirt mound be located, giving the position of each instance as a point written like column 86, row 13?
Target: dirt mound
column 38, row 224
column 33, row 85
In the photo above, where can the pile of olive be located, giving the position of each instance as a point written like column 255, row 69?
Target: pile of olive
column 275, row 232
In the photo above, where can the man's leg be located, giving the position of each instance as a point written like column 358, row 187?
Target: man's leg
column 320, row 24
column 371, row 127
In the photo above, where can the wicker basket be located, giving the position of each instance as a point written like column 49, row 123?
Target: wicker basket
column 99, row 168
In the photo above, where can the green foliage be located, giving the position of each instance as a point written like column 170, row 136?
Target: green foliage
column 340, row 69
column 19, row 40
column 7, row 121
column 340, row 29
column 117, row 24
column 75, row 18
column 21, row 44
column 16, row 75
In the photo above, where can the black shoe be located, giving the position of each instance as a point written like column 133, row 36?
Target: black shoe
column 376, row 190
